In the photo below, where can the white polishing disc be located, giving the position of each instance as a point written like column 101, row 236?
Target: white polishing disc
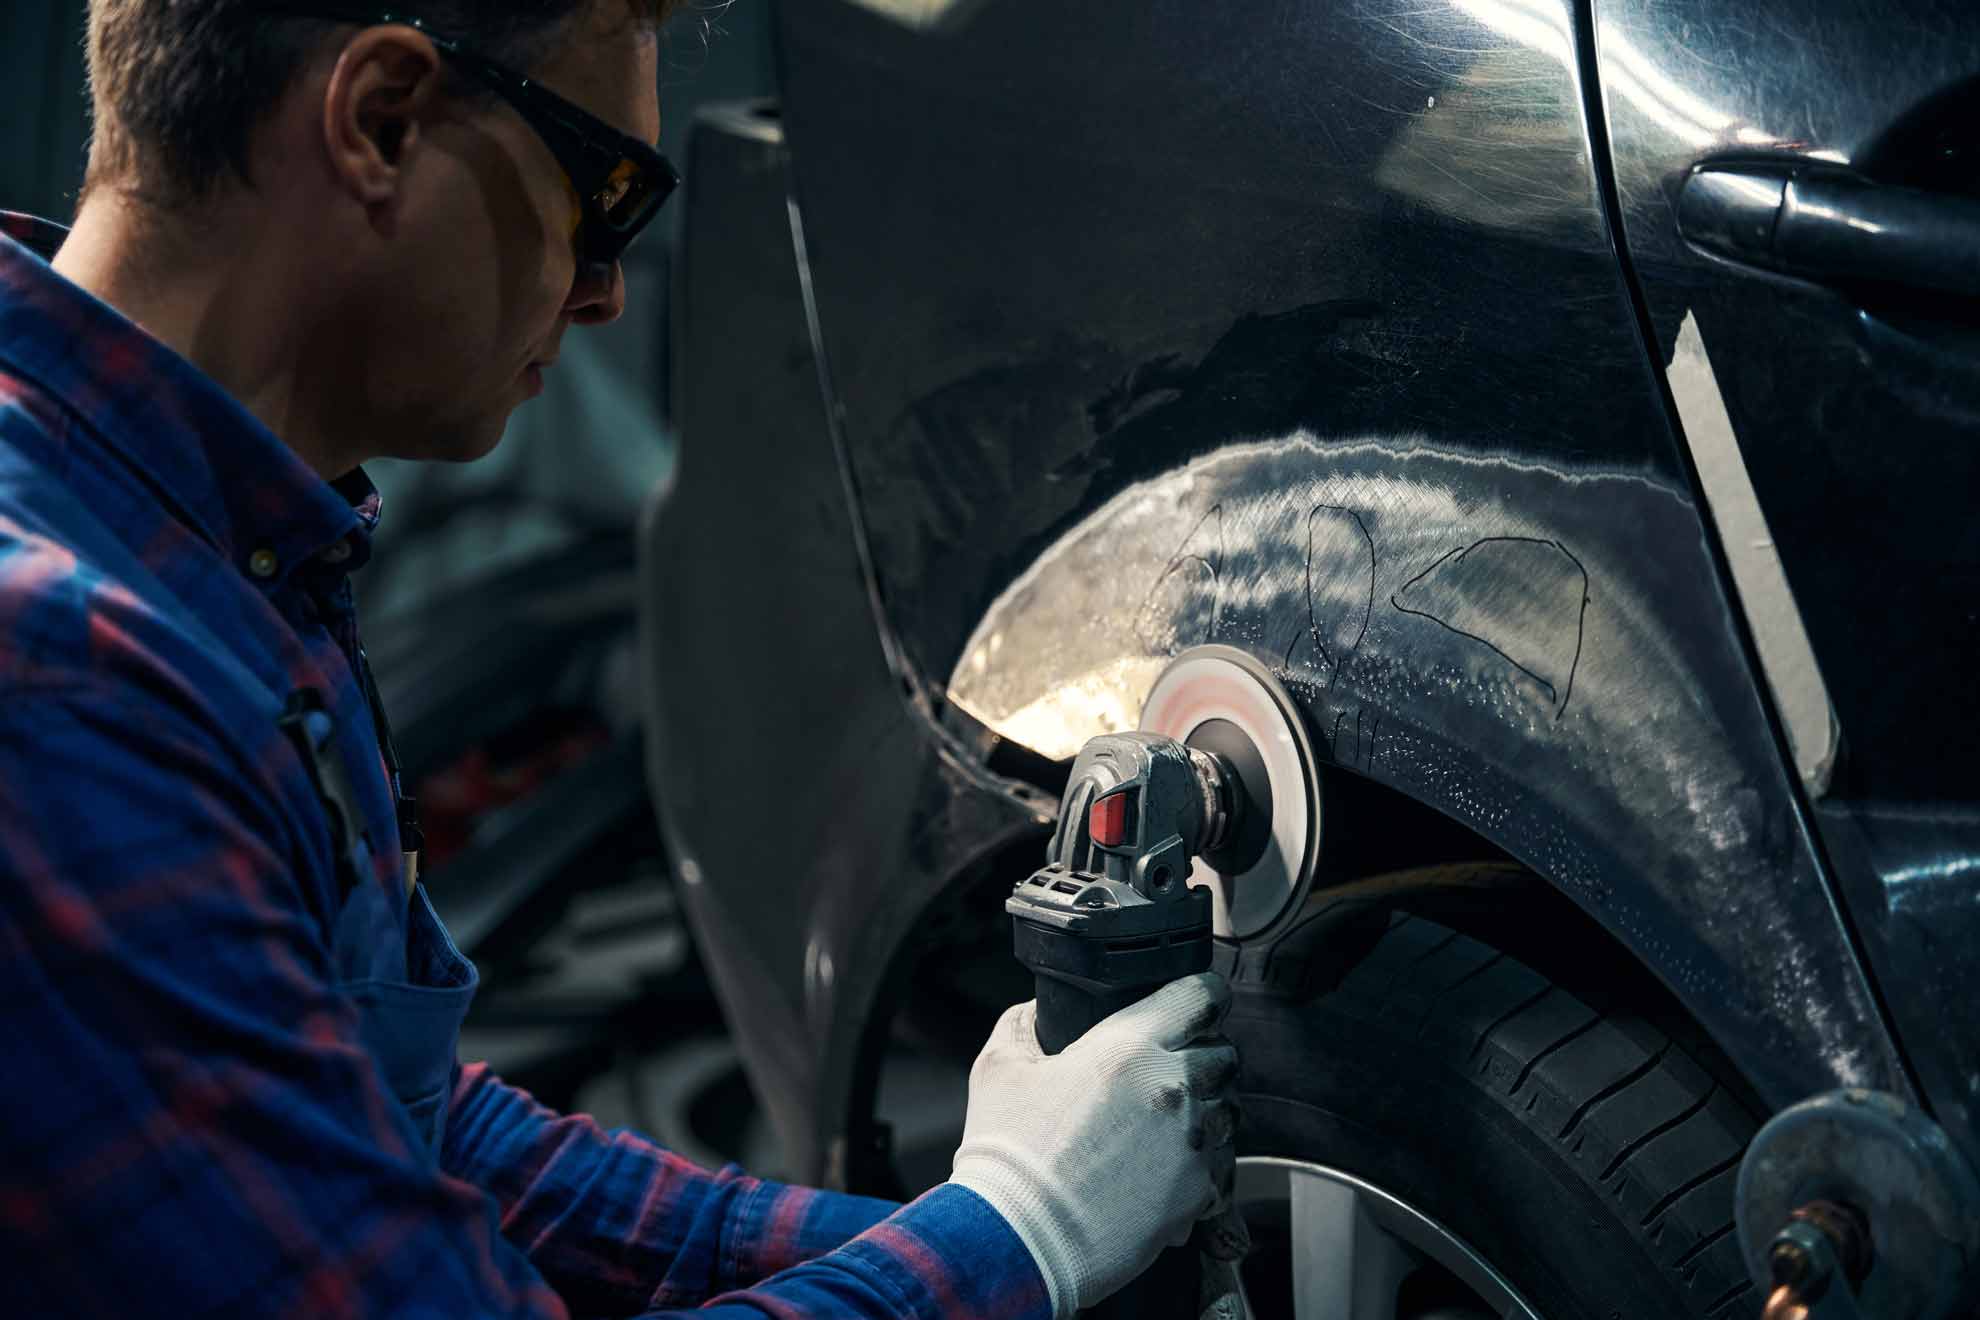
column 1222, row 683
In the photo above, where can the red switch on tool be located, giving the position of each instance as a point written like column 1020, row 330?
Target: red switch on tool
column 1107, row 820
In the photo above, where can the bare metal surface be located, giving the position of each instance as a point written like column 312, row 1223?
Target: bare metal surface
column 1788, row 659
column 1497, row 653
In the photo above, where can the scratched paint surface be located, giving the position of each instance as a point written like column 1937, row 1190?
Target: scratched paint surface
column 1497, row 638
column 1304, row 330
column 1859, row 430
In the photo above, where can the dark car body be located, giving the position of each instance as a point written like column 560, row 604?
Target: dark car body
column 1035, row 343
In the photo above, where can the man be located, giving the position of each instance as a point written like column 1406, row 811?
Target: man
column 314, row 233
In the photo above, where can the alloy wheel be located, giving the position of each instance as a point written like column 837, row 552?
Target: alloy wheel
column 1328, row 1245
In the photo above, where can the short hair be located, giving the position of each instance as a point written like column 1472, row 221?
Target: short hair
column 177, row 87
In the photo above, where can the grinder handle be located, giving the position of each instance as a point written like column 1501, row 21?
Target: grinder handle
column 1168, row 1289
column 1067, row 1011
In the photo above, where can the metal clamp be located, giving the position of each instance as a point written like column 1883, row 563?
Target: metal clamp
column 1854, row 1204
column 1822, row 1239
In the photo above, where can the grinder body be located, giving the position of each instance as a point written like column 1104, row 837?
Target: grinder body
column 1111, row 918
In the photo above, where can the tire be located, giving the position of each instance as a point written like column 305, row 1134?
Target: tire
column 1583, row 1149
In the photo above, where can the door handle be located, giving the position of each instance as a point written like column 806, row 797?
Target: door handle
column 1833, row 226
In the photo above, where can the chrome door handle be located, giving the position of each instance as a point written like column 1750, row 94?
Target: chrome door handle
column 1833, row 226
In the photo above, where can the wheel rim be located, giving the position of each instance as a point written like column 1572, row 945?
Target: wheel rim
column 1351, row 1247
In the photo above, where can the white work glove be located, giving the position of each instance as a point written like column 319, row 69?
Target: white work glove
column 1102, row 1155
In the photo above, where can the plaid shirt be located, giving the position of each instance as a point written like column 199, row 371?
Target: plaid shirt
column 191, row 1124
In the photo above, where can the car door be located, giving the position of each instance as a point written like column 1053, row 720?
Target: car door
column 1799, row 191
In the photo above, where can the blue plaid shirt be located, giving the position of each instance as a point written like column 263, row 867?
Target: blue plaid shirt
column 191, row 1124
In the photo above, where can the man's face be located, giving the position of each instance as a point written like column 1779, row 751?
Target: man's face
column 469, row 302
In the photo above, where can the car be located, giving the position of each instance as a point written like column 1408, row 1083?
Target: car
column 1574, row 406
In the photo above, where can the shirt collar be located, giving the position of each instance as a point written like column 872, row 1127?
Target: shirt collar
column 210, row 461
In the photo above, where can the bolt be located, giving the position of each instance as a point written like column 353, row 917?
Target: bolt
column 1802, row 1259
column 1790, row 1264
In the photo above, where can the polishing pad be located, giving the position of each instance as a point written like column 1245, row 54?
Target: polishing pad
column 1221, row 700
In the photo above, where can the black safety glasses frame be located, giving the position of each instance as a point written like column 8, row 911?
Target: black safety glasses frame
column 620, row 181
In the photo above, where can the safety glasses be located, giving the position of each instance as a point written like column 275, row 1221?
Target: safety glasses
column 620, row 181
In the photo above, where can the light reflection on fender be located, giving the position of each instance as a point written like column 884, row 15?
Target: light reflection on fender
column 1317, row 556
column 1503, row 639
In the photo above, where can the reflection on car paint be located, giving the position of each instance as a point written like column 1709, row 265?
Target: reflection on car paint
column 1065, row 254
column 1858, row 425
column 1483, row 634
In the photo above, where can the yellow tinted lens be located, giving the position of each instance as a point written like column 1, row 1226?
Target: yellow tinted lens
column 618, row 190
column 577, row 206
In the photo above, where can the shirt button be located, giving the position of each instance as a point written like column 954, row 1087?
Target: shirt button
column 337, row 553
column 263, row 563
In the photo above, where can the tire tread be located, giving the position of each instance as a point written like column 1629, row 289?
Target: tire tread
column 1624, row 1103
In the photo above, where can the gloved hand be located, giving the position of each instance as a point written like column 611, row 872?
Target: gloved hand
column 1100, row 1156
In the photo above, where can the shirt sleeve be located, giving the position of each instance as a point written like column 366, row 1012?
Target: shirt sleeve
column 191, row 1124
column 619, row 1224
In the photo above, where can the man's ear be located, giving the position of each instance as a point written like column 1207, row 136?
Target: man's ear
column 380, row 95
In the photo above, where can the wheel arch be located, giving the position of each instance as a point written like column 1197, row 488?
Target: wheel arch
column 1541, row 653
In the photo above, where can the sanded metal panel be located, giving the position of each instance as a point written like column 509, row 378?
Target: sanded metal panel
column 1306, row 334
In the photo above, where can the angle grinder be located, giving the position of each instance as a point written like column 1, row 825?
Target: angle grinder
column 1205, row 822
